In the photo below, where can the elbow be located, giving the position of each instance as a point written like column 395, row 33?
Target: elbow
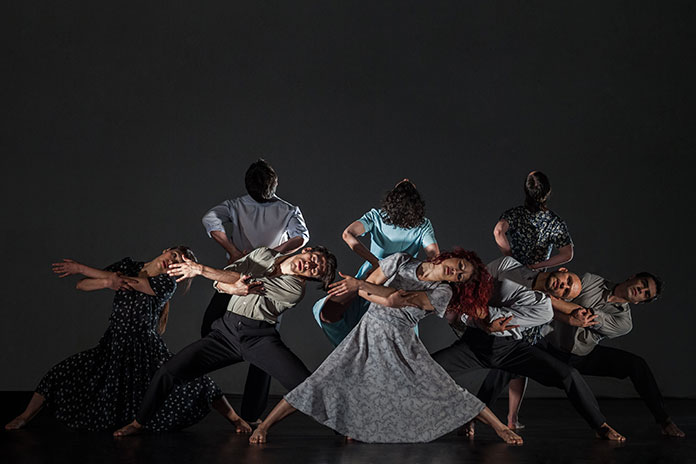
column 348, row 237
column 568, row 254
column 80, row 285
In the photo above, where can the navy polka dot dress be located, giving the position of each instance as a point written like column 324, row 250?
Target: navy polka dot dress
column 101, row 388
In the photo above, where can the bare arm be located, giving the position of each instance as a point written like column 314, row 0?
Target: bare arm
column 113, row 281
column 564, row 255
column 432, row 250
column 372, row 290
column 221, row 238
column 189, row 269
column 501, row 240
column 70, row 267
column 290, row 246
column 350, row 236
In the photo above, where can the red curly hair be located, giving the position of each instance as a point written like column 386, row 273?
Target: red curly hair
column 470, row 297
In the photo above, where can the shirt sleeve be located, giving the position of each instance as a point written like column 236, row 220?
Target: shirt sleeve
column 241, row 266
column 612, row 325
column 297, row 226
column 391, row 264
column 428, row 235
column 509, row 215
column 368, row 220
column 562, row 237
column 440, row 297
column 528, row 308
column 213, row 219
column 163, row 285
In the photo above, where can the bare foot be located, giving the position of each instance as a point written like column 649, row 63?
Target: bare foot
column 352, row 440
column 669, row 429
column 16, row 423
column 131, row 429
column 509, row 437
column 240, row 425
column 259, row 436
column 467, row 430
column 605, row 432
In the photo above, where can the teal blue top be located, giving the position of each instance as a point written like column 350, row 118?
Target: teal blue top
column 387, row 239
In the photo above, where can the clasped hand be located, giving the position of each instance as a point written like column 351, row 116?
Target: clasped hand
column 582, row 317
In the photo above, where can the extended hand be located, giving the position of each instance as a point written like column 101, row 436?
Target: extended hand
column 582, row 317
column 347, row 285
column 66, row 268
column 117, row 281
column 500, row 325
column 243, row 287
column 186, row 270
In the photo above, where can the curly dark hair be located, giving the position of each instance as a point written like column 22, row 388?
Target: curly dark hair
column 470, row 297
column 403, row 206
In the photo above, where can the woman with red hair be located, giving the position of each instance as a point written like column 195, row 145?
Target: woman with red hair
column 380, row 385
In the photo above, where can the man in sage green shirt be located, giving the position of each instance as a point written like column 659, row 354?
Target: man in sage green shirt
column 263, row 285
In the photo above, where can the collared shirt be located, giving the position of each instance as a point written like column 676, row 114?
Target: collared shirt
column 528, row 307
column 614, row 319
column 282, row 292
column 255, row 224
column 532, row 235
column 507, row 267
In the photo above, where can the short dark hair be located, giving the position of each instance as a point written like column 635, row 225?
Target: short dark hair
column 537, row 190
column 658, row 284
column 261, row 181
column 331, row 265
column 403, row 206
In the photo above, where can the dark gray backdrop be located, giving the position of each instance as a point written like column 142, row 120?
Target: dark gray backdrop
column 127, row 122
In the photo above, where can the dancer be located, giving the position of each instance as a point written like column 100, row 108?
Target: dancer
column 257, row 219
column 398, row 226
column 263, row 285
column 529, row 233
column 102, row 387
column 499, row 346
column 579, row 346
column 380, row 384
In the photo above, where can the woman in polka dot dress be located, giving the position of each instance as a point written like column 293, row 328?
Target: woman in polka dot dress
column 102, row 388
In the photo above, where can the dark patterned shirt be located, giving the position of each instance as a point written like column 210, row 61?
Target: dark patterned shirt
column 533, row 236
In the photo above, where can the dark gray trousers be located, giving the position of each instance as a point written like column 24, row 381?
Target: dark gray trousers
column 477, row 350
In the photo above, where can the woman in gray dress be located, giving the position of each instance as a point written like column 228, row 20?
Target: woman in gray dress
column 380, row 384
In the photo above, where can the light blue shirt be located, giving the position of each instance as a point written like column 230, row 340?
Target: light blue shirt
column 387, row 239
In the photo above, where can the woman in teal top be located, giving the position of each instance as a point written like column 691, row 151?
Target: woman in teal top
column 398, row 226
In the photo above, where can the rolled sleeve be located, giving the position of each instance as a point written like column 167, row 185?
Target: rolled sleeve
column 213, row 220
column 297, row 227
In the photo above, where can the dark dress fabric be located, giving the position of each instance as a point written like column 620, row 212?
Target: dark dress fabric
column 102, row 388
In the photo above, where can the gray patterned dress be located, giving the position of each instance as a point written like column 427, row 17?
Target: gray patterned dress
column 380, row 385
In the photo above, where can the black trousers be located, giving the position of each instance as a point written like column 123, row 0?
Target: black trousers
column 603, row 361
column 258, row 382
column 477, row 350
column 233, row 339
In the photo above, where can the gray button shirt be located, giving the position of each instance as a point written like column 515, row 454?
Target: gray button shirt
column 282, row 292
column 528, row 307
column 614, row 319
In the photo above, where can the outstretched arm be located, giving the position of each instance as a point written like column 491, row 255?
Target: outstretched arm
column 564, row 255
column 71, row 267
column 373, row 290
column 189, row 269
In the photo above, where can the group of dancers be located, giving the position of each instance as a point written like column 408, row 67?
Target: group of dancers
column 380, row 384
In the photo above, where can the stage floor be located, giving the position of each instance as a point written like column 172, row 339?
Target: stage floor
column 554, row 434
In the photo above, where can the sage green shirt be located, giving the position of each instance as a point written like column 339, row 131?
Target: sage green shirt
column 282, row 292
column 614, row 319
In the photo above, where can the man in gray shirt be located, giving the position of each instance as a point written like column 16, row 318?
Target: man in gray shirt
column 494, row 344
column 263, row 285
column 609, row 305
